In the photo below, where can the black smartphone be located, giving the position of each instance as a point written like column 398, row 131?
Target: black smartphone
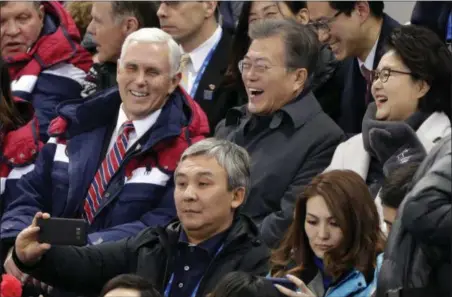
column 61, row 231
column 283, row 282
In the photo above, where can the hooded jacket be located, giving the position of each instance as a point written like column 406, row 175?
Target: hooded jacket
column 417, row 259
column 140, row 194
column 152, row 254
column 54, row 68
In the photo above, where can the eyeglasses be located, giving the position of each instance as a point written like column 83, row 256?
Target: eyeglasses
column 245, row 66
column 324, row 24
column 385, row 73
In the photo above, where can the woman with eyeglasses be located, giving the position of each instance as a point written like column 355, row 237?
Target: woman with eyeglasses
column 412, row 91
column 334, row 245
column 326, row 83
column 19, row 146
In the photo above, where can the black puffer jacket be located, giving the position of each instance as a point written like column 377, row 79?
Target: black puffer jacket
column 151, row 254
column 417, row 257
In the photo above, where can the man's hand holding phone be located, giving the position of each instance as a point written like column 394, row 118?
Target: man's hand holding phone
column 303, row 290
column 28, row 249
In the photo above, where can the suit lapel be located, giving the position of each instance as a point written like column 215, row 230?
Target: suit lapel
column 214, row 72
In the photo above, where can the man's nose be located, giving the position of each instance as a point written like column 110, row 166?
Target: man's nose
column 12, row 28
column 189, row 193
column 161, row 12
column 140, row 78
column 90, row 28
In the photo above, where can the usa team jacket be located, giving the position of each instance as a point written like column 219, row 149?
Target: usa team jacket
column 54, row 68
column 140, row 194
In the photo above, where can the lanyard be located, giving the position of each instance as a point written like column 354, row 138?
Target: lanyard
column 195, row 291
column 202, row 69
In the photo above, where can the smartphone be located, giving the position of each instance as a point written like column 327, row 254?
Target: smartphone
column 61, row 231
column 283, row 282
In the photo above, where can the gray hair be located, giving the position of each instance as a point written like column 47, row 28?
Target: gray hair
column 154, row 35
column 233, row 158
column 302, row 44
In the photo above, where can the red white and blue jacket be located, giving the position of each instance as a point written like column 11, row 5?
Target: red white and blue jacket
column 139, row 195
column 18, row 151
column 55, row 67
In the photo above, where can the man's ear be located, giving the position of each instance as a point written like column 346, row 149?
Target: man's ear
column 210, row 8
column 130, row 24
column 238, row 197
column 301, row 76
column 302, row 16
column 175, row 82
column 118, row 69
column 362, row 9
column 41, row 13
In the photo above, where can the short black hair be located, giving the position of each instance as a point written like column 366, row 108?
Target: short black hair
column 428, row 59
column 241, row 284
column 346, row 7
column 131, row 281
column 301, row 42
column 144, row 11
column 397, row 185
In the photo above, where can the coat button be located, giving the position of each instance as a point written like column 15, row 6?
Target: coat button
column 107, row 195
column 180, row 285
column 22, row 156
column 186, row 268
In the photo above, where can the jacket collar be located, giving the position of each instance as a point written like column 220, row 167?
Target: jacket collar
column 179, row 111
column 299, row 111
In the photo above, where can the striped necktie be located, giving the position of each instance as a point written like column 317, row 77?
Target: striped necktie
column 107, row 169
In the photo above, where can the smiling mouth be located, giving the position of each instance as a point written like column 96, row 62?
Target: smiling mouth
column 139, row 94
column 255, row 92
column 380, row 100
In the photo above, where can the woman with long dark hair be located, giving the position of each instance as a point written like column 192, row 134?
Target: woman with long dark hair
column 334, row 245
column 19, row 144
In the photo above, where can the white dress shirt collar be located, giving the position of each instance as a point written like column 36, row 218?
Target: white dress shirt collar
column 369, row 62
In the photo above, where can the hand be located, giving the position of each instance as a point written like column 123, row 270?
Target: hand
column 304, row 290
column 28, row 249
column 11, row 268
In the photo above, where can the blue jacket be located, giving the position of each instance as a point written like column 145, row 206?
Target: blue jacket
column 354, row 284
column 139, row 195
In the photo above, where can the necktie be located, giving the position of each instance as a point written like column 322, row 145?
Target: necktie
column 368, row 77
column 107, row 169
column 184, row 62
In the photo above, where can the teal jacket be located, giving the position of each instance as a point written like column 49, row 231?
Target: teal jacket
column 353, row 285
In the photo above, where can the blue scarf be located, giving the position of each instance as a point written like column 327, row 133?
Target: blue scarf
column 327, row 280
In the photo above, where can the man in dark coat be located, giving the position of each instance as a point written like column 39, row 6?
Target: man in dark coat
column 189, row 256
column 417, row 259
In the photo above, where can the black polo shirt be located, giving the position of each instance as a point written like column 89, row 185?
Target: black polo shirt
column 191, row 264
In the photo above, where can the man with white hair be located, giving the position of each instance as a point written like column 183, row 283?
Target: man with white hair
column 111, row 158
column 189, row 256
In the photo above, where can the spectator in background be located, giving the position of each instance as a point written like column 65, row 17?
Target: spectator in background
column 289, row 137
column 112, row 22
column 433, row 15
column 129, row 285
column 412, row 105
column 19, row 146
column 230, row 12
column 40, row 43
column 135, row 134
column 417, row 261
column 81, row 13
column 356, row 32
column 186, row 258
column 241, row 284
column 205, row 46
column 334, row 244
column 394, row 189
column 232, row 90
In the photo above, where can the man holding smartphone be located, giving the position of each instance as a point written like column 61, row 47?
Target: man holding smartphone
column 112, row 156
column 188, row 257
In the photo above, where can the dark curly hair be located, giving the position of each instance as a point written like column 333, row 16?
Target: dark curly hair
column 428, row 59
